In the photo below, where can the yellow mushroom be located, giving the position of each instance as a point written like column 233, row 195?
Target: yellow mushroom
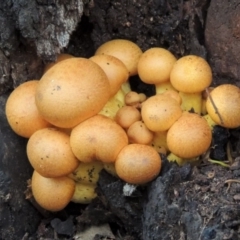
column 190, row 136
column 190, row 75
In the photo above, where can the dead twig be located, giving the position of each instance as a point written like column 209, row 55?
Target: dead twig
column 214, row 106
column 230, row 181
column 229, row 154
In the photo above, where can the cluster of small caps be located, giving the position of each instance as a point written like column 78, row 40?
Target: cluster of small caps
column 102, row 124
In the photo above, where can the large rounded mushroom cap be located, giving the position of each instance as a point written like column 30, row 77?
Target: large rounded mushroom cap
column 191, row 74
column 139, row 133
column 226, row 98
column 127, row 115
column 190, row 136
column 72, row 91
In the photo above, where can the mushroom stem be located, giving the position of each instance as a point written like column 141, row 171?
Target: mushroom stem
column 209, row 120
column 112, row 106
column 159, row 141
column 191, row 102
column 180, row 161
column 164, row 86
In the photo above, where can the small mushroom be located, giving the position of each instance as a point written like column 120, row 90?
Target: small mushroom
column 52, row 194
column 50, row 154
column 132, row 99
column 190, row 136
column 127, row 115
column 159, row 112
column 139, row 133
column 142, row 97
column 190, row 75
column 138, row 164
column 224, row 105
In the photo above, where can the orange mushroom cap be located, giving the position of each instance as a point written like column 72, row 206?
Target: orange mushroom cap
column 21, row 111
column 155, row 65
column 50, row 154
column 127, row 115
column 190, row 136
column 132, row 98
column 139, row 133
column 138, row 163
column 191, row 74
column 72, row 91
column 126, row 51
column 226, row 98
column 52, row 194
column 98, row 138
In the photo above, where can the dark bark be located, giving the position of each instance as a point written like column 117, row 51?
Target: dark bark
column 33, row 32
column 176, row 25
column 17, row 216
column 223, row 40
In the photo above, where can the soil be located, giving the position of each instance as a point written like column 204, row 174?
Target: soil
column 194, row 202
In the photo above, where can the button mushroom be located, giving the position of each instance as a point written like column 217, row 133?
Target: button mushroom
column 159, row 112
column 190, row 136
column 138, row 164
column 190, row 75
column 224, row 105
column 139, row 133
column 127, row 115
column 155, row 65
column 50, row 154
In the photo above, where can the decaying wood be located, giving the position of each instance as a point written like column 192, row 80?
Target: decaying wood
column 32, row 32
column 222, row 40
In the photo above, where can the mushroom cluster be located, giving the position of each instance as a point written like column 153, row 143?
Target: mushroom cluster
column 82, row 117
